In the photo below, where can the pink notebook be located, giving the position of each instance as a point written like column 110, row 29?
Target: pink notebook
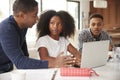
column 76, row 72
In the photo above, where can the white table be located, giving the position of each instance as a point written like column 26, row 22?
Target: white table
column 111, row 71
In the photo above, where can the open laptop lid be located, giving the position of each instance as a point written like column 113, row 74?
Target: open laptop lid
column 94, row 54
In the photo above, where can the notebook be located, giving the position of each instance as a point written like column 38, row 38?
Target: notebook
column 94, row 54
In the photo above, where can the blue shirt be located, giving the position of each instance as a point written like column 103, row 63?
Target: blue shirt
column 86, row 36
column 13, row 46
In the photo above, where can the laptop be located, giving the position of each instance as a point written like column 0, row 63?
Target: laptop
column 94, row 54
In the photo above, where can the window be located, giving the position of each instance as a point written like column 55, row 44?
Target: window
column 73, row 8
column 55, row 4
column 4, row 12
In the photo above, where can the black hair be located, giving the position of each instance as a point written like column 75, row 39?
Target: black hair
column 43, row 23
column 67, row 23
column 24, row 6
column 95, row 15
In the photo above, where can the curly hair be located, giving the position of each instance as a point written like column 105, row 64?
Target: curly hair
column 67, row 23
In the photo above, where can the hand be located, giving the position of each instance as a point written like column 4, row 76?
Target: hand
column 77, row 63
column 64, row 61
column 69, row 61
column 57, row 62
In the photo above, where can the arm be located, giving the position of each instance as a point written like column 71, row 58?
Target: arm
column 110, row 47
column 111, row 44
column 108, row 37
column 59, row 61
column 43, row 52
column 43, row 47
column 44, row 55
column 75, row 52
column 10, row 43
column 80, row 42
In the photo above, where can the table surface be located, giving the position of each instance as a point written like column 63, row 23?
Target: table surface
column 110, row 71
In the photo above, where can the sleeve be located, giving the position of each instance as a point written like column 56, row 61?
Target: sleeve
column 11, row 47
column 24, row 48
column 67, row 42
column 106, row 36
column 41, row 42
column 80, row 41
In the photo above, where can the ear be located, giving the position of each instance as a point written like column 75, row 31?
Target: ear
column 21, row 14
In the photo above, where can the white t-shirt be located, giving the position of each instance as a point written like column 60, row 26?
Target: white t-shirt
column 53, row 46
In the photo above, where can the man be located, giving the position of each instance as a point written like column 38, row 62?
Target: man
column 13, row 48
column 95, row 31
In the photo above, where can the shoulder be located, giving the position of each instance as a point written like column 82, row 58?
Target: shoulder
column 42, row 41
column 43, row 38
column 8, row 24
column 63, row 39
column 84, row 32
column 103, row 32
column 105, row 35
